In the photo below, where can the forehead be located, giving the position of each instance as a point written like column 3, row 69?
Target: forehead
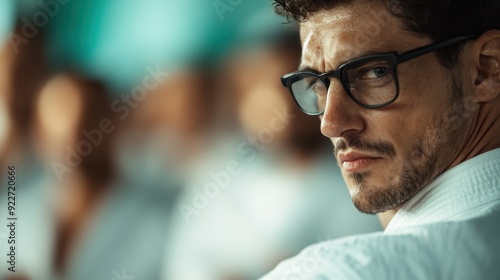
column 331, row 37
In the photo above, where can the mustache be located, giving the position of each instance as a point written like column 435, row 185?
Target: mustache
column 355, row 142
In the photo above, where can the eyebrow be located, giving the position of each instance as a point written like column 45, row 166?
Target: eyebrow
column 306, row 68
column 382, row 49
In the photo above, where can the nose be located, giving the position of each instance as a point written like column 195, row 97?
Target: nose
column 342, row 116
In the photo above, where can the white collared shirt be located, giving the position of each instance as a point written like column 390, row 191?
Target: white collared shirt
column 449, row 230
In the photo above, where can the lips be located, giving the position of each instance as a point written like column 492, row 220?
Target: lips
column 354, row 161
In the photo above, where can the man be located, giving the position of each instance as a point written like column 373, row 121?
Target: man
column 411, row 102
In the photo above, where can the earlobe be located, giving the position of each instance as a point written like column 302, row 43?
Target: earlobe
column 487, row 83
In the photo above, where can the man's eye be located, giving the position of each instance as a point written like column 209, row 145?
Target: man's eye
column 375, row 73
column 311, row 83
column 317, row 88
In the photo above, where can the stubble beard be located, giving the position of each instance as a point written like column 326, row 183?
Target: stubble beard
column 430, row 156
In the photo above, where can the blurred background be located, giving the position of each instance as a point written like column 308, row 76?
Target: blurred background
column 153, row 140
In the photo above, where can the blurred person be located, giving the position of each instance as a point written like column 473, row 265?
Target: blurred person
column 172, row 129
column 280, row 196
column 108, row 219
column 162, row 139
column 22, row 73
column 70, row 111
column 171, row 136
column 159, row 143
column 194, row 119
column 412, row 111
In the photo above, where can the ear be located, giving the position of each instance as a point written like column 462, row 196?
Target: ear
column 487, row 60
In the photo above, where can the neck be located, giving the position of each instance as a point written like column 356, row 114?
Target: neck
column 386, row 217
column 484, row 133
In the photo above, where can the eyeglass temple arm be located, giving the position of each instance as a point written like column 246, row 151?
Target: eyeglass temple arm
column 434, row 47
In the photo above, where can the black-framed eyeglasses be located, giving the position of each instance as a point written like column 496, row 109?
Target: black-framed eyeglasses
column 370, row 81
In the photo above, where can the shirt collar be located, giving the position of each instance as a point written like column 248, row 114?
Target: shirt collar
column 459, row 193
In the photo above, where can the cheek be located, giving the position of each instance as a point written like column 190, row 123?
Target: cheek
column 415, row 115
column 403, row 129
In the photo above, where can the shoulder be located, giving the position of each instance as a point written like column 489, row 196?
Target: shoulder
column 440, row 251
column 326, row 260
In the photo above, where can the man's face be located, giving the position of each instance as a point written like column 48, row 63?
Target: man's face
column 387, row 154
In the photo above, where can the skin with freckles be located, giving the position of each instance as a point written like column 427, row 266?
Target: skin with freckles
column 441, row 118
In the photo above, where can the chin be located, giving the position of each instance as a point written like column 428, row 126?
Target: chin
column 372, row 196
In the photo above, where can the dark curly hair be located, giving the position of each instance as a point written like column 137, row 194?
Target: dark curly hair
column 439, row 20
